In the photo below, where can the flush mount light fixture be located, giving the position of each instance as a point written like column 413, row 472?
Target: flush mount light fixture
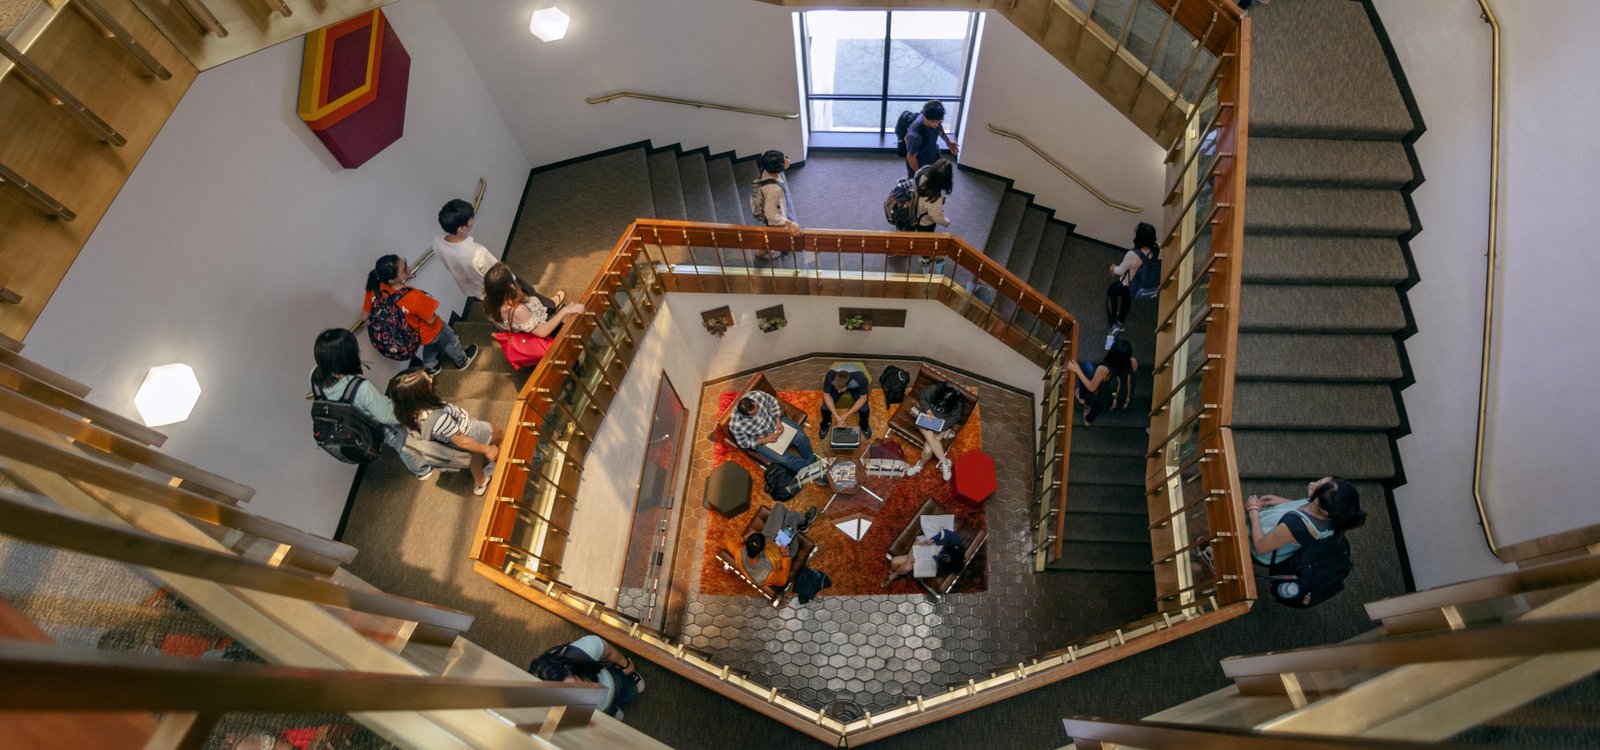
column 167, row 395
column 549, row 24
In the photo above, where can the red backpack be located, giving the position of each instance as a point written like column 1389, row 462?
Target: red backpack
column 388, row 330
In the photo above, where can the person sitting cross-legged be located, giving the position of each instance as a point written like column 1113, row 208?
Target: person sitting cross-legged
column 944, row 402
column 845, row 387
column 757, row 422
column 769, row 565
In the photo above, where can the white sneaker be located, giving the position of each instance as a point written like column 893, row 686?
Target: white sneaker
column 917, row 467
column 944, row 468
column 423, row 477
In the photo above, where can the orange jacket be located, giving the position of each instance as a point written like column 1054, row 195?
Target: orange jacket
column 780, row 562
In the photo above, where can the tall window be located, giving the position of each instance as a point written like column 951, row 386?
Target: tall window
column 864, row 67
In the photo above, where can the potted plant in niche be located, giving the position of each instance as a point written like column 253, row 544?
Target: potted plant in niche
column 771, row 319
column 717, row 321
column 857, row 323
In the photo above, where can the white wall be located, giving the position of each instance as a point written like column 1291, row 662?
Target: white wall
column 1020, row 87
column 737, row 52
column 932, row 330
column 1543, row 442
column 238, row 238
column 610, row 490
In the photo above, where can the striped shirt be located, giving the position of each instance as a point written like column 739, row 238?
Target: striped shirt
column 452, row 421
column 748, row 429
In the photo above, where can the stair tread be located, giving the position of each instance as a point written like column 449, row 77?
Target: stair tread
column 1104, row 556
column 1318, row 356
column 745, row 172
column 1327, row 163
column 1349, row 212
column 1288, row 453
column 698, row 202
column 1106, row 440
column 1285, row 259
column 1112, row 470
column 455, row 384
column 665, row 187
column 1105, row 527
column 1019, row 260
column 1312, row 406
column 1344, row 309
column 1051, row 245
column 1007, row 219
column 725, row 192
column 1089, row 497
column 1329, row 76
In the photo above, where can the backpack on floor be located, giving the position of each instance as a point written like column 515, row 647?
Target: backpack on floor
column 894, row 381
column 758, row 203
column 387, row 328
column 900, row 208
column 809, row 582
column 1146, row 281
column 1314, row 573
column 343, row 430
column 902, row 125
column 780, row 482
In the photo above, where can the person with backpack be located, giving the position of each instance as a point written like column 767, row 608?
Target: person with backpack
column 591, row 660
column 1138, row 276
column 933, row 185
column 1107, row 384
column 420, row 410
column 770, row 203
column 1302, row 542
column 404, row 323
column 1332, row 505
column 917, row 136
column 366, row 418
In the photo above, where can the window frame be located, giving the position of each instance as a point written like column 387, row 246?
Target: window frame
column 886, row 126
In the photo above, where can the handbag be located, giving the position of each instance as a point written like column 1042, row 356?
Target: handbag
column 522, row 349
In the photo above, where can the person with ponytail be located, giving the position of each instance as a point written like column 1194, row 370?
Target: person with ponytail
column 1331, row 506
column 388, row 281
column 591, row 660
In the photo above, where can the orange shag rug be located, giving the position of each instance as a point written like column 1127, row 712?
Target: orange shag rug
column 856, row 567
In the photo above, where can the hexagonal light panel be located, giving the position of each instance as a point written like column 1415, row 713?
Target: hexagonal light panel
column 167, row 395
column 549, row 24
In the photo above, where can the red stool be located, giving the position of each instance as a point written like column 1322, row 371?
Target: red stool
column 973, row 477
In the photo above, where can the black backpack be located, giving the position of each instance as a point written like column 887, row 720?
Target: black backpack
column 1315, row 572
column 900, row 208
column 343, row 430
column 780, row 482
column 902, row 124
column 1146, row 281
column 894, row 380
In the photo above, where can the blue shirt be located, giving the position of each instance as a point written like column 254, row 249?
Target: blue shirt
column 923, row 142
column 1273, row 516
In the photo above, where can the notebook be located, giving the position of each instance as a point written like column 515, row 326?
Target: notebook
column 923, row 564
column 781, row 445
column 927, row 421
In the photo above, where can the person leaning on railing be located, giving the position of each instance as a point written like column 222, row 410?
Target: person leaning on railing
column 591, row 660
column 420, row 409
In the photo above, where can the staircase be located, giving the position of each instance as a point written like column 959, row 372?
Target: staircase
column 1325, row 262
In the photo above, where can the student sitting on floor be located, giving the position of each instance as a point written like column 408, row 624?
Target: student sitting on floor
column 769, row 565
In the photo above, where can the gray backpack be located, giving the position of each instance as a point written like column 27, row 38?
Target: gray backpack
column 758, row 203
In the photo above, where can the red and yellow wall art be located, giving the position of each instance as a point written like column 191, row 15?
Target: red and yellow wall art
column 353, row 87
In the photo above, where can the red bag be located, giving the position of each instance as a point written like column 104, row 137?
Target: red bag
column 523, row 349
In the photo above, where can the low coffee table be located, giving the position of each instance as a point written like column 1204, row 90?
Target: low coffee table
column 850, row 505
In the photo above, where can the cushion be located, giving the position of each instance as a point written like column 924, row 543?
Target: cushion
column 728, row 490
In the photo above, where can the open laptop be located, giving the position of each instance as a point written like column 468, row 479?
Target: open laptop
column 844, row 438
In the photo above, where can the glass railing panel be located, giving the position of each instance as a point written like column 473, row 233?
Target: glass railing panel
column 1145, row 30
column 1110, row 15
column 1204, row 63
column 1200, row 299
column 280, row 731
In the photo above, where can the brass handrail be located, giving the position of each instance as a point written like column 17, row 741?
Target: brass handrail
column 1090, row 731
column 1488, row 284
column 1063, row 169
column 689, row 103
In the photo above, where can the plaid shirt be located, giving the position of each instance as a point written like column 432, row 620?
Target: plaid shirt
column 746, row 430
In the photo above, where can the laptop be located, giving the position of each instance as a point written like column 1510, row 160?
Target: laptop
column 781, row 445
column 844, row 438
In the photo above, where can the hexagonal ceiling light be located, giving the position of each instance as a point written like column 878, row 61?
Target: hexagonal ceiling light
column 167, row 395
column 549, row 24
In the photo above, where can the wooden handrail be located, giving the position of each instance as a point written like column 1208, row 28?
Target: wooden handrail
column 1531, row 638
column 35, row 519
column 22, row 375
column 80, row 466
column 1552, row 575
column 58, row 678
column 689, row 103
column 1094, row 733
column 35, row 197
column 1062, row 168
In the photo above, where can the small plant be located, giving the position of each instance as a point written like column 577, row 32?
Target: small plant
column 768, row 325
column 857, row 323
column 717, row 327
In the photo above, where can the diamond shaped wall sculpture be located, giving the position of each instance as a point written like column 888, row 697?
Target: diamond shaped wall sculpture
column 353, row 82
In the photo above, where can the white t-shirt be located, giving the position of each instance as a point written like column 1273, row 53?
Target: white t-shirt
column 467, row 260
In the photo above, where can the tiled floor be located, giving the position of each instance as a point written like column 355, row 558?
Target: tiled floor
column 849, row 653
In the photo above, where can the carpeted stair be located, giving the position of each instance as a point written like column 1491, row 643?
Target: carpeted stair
column 1325, row 265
